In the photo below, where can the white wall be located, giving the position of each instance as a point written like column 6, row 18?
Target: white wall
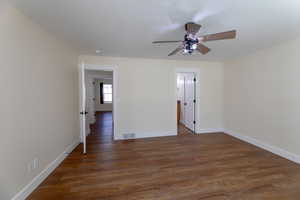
column 146, row 101
column 262, row 96
column 39, row 99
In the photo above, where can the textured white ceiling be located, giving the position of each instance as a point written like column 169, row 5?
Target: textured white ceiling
column 127, row 27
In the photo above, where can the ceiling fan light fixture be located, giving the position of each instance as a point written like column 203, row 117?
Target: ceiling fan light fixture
column 194, row 46
column 185, row 51
column 192, row 42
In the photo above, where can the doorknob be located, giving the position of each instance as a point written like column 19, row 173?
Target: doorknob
column 185, row 103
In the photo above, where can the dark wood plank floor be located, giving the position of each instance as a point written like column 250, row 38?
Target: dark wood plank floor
column 189, row 167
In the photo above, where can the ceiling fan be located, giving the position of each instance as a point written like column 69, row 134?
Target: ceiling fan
column 193, row 42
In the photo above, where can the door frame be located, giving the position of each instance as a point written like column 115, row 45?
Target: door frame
column 115, row 76
column 196, row 71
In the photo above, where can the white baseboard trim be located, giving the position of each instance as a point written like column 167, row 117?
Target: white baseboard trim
column 276, row 150
column 36, row 181
column 210, row 130
column 148, row 135
column 171, row 133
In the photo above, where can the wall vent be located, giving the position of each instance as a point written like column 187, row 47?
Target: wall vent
column 129, row 136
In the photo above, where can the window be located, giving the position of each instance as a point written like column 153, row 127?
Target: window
column 107, row 93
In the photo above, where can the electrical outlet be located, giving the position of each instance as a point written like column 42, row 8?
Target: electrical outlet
column 32, row 165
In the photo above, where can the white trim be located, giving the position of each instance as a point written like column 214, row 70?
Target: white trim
column 101, row 77
column 276, row 150
column 80, row 66
column 104, row 110
column 99, row 67
column 210, row 130
column 149, row 135
column 82, row 106
column 36, row 181
column 197, row 72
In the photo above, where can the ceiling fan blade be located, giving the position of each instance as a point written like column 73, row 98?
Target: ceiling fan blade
column 170, row 41
column 175, row 51
column 192, row 28
column 202, row 48
column 219, row 36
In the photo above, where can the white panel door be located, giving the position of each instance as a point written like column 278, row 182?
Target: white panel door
column 82, row 106
column 189, row 104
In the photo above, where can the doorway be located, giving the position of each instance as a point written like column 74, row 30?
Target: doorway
column 186, row 102
column 97, row 104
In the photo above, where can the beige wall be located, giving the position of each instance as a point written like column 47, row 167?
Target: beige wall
column 146, row 94
column 262, row 96
column 39, row 99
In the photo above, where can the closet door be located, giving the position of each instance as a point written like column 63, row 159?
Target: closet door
column 189, row 103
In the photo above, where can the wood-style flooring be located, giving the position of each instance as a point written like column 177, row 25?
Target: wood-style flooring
column 211, row 166
column 183, row 131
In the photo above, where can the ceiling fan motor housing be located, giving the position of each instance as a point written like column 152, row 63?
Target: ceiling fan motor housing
column 190, row 43
column 187, row 24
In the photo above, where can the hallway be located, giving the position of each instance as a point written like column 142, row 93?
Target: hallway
column 102, row 130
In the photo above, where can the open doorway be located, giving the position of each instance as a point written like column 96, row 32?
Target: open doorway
column 97, row 97
column 99, row 105
column 186, row 103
